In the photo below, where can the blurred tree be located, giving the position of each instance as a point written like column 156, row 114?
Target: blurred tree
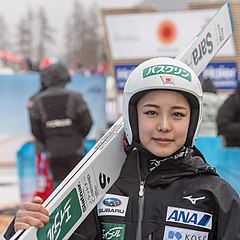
column 45, row 34
column 82, row 36
column 4, row 37
column 93, row 44
column 75, row 26
column 25, row 38
column 34, row 35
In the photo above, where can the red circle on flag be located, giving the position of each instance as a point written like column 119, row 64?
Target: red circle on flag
column 167, row 32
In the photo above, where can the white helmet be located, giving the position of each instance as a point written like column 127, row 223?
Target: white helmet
column 162, row 73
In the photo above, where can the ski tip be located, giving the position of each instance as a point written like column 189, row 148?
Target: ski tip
column 230, row 15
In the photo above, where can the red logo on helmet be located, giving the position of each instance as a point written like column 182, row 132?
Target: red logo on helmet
column 167, row 80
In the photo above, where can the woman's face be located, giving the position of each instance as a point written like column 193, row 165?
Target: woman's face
column 163, row 120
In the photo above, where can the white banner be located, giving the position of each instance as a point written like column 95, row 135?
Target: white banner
column 147, row 35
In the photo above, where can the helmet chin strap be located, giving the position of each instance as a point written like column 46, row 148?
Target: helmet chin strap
column 183, row 150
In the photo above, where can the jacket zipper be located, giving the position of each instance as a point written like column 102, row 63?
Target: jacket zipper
column 140, row 210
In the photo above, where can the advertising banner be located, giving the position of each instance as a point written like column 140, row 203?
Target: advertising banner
column 122, row 71
column 224, row 74
column 147, row 35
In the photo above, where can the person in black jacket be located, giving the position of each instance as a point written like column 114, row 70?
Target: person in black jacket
column 228, row 120
column 39, row 146
column 211, row 103
column 60, row 120
column 166, row 190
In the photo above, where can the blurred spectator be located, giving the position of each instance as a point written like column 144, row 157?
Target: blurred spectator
column 29, row 65
column 228, row 119
column 79, row 68
column 44, row 183
column 60, row 120
column 211, row 103
column 30, row 104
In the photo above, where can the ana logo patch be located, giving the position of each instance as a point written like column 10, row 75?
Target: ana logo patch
column 114, row 205
column 173, row 233
column 189, row 217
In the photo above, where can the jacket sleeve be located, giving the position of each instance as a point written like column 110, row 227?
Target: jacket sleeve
column 89, row 229
column 35, row 122
column 227, row 123
column 229, row 214
column 86, row 123
column 36, row 128
column 84, row 117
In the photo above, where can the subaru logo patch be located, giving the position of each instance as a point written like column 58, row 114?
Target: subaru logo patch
column 112, row 205
column 112, row 202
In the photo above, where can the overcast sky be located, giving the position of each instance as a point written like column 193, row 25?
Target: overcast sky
column 57, row 11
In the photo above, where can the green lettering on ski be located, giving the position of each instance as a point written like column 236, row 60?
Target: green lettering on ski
column 62, row 219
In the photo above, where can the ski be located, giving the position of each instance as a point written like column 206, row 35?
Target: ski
column 209, row 41
column 82, row 189
column 87, row 183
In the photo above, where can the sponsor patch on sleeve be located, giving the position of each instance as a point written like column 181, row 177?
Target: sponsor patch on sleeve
column 189, row 217
column 113, row 231
column 173, row 233
column 114, row 205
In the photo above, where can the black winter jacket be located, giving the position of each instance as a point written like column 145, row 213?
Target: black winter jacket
column 182, row 199
column 228, row 120
column 60, row 119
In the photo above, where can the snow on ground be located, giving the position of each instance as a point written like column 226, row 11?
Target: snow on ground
column 9, row 187
column 9, row 181
column 9, row 145
column 9, row 192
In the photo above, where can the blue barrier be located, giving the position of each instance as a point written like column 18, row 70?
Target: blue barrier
column 27, row 172
column 225, row 160
column 27, row 169
column 15, row 90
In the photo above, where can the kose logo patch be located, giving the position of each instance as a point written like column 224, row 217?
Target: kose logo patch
column 173, row 233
